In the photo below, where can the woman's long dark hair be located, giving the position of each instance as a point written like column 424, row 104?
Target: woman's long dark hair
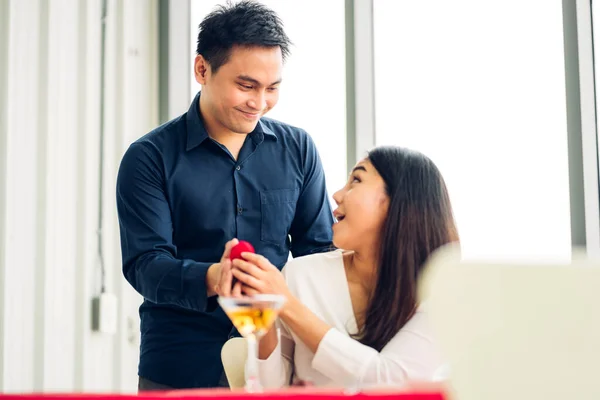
column 419, row 221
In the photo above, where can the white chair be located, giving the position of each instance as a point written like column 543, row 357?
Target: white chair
column 233, row 356
column 516, row 330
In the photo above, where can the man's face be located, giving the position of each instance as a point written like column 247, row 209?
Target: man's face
column 242, row 90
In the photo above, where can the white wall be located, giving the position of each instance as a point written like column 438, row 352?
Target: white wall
column 50, row 112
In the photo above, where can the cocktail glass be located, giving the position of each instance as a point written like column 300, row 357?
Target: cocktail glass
column 252, row 316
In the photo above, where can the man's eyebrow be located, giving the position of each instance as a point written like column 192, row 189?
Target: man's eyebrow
column 255, row 82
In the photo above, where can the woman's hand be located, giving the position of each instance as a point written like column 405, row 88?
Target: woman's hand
column 258, row 276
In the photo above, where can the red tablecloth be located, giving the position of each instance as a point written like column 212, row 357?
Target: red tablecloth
column 423, row 393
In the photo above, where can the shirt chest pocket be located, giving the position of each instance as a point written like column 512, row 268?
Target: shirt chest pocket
column 277, row 209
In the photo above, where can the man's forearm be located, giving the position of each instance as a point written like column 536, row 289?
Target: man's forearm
column 212, row 279
column 167, row 280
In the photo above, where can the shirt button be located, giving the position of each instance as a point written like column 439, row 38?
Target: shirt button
column 238, row 168
column 239, row 210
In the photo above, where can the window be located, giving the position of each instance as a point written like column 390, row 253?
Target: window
column 480, row 88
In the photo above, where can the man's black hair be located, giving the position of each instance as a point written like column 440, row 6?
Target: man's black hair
column 245, row 24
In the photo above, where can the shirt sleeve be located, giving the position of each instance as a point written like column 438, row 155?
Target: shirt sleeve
column 150, row 262
column 410, row 355
column 311, row 228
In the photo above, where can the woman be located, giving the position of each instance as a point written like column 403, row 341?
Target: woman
column 352, row 317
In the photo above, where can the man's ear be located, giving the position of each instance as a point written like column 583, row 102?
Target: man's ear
column 201, row 69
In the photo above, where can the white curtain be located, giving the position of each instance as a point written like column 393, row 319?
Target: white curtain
column 51, row 68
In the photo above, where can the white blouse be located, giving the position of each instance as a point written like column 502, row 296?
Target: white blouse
column 319, row 282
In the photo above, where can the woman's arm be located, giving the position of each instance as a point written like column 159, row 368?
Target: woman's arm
column 276, row 357
column 304, row 323
column 276, row 348
column 410, row 355
column 268, row 343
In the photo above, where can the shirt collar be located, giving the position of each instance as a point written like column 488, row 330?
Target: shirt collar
column 197, row 133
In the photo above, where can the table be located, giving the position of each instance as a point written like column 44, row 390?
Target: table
column 413, row 393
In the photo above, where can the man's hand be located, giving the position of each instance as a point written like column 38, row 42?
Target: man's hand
column 218, row 276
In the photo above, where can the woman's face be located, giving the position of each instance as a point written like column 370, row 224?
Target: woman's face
column 362, row 208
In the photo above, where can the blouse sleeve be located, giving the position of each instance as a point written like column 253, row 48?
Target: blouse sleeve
column 276, row 370
column 410, row 355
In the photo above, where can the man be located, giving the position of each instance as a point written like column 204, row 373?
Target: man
column 218, row 172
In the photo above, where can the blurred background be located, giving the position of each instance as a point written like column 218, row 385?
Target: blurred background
column 500, row 94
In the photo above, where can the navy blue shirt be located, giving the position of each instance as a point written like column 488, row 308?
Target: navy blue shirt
column 180, row 197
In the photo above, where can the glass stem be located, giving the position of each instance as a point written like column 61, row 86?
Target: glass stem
column 252, row 375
